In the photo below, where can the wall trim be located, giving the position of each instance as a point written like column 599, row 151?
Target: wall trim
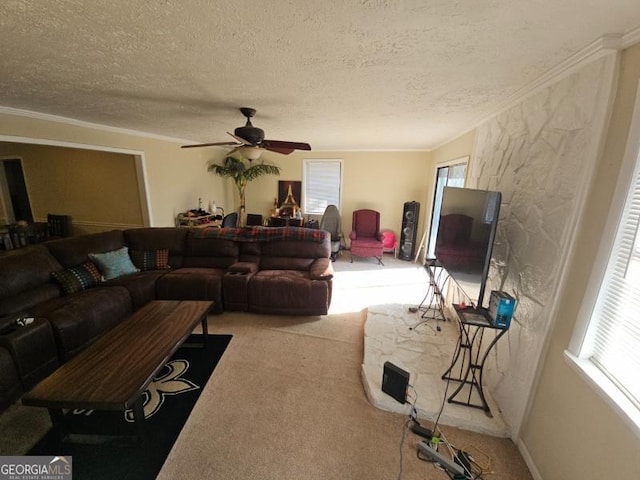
column 104, row 225
column 59, row 143
column 631, row 38
column 138, row 157
column 533, row 469
column 81, row 123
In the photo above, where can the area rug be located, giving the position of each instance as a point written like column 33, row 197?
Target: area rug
column 167, row 405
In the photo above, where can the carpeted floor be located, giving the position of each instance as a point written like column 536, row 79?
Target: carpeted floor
column 167, row 405
column 287, row 402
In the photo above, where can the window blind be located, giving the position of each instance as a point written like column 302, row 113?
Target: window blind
column 613, row 336
column 321, row 185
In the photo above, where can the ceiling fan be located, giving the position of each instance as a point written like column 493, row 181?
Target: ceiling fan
column 250, row 141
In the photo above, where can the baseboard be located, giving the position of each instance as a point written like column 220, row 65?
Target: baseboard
column 528, row 460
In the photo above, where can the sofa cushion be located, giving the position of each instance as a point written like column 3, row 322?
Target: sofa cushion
column 80, row 277
column 210, row 252
column 141, row 286
column 192, row 284
column 145, row 260
column 158, row 238
column 288, row 292
column 114, row 264
column 75, row 250
column 86, row 315
column 292, row 254
column 25, row 278
column 10, row 385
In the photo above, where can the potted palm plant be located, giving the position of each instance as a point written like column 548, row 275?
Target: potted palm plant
column 242, row 174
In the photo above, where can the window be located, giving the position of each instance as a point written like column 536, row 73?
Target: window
column 606, row 344
column 451, row 175
column 321, row 185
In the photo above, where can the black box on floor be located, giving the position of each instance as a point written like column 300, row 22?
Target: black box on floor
column 395, row 382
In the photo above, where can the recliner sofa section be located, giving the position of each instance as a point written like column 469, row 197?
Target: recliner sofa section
column 292, row 276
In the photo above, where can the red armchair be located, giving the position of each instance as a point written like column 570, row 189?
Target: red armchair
column 366, row 238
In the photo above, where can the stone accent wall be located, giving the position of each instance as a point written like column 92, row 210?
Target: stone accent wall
column 540, row 154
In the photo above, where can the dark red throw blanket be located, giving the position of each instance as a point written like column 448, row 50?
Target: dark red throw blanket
column 262, row 234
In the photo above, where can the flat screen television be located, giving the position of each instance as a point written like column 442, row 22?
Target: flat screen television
column 466, row 230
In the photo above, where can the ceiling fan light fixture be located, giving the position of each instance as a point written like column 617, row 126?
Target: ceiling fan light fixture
column 250, row 153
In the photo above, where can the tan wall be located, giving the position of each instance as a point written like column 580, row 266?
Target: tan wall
column 570, row 432
column 382, row 181
column 99, row 190
column 175, row 177
column 457, row 148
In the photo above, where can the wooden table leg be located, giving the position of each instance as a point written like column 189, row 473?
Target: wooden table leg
column 205, row 331
column 58, row 422
column 138, row 418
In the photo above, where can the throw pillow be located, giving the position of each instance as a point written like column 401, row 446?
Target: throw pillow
column 150, row 259
column 78, row 278
column 114, row 264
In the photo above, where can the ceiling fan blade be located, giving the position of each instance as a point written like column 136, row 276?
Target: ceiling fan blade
column 283, row 151
column 285, row 145
column 214, row 144
column 240, row 140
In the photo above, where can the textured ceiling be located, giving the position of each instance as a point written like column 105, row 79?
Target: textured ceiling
column 339, row 74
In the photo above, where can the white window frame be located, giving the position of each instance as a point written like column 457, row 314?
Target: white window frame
column 430, row 217
column 578, row 355
column 308, row 161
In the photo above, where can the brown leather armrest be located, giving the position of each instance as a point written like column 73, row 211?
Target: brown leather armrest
column 243, row 267
column 321, row 269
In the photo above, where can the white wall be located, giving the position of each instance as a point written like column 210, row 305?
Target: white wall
column 540, row 154
column 566, row 412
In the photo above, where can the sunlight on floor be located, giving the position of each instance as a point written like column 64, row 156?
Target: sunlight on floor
column 364, row 283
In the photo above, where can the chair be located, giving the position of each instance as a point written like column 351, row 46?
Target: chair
column 332, row 223
column 389, row 242
column 230, row 220
column 277, row 222
column 23, row 234
column 254, row 219
column 366, row 238
column 59, row 225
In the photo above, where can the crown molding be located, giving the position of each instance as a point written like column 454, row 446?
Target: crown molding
column 605, row 45
column 631, row 38
column 81, row 123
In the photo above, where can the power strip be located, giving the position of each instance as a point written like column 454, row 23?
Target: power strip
column 420, row 430
column 446, row 463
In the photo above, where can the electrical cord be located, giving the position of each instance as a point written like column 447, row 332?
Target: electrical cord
column 444, row 399
column 413, row 413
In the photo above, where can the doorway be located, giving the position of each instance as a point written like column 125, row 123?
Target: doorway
column 16, row 198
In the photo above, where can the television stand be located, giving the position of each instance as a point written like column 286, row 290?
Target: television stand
column 432, row 305
column 470, row 356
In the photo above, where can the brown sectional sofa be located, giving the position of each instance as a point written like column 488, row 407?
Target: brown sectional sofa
column 280, row 271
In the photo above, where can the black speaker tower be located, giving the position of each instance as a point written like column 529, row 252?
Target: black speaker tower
column 409, row 230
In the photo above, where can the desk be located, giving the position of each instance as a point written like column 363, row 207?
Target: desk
column 285, row 222
column 471, row 355
column 203, row 220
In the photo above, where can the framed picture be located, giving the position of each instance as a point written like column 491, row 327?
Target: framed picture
column 283, row 190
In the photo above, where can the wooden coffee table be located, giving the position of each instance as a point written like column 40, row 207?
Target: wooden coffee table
column 113, row 372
